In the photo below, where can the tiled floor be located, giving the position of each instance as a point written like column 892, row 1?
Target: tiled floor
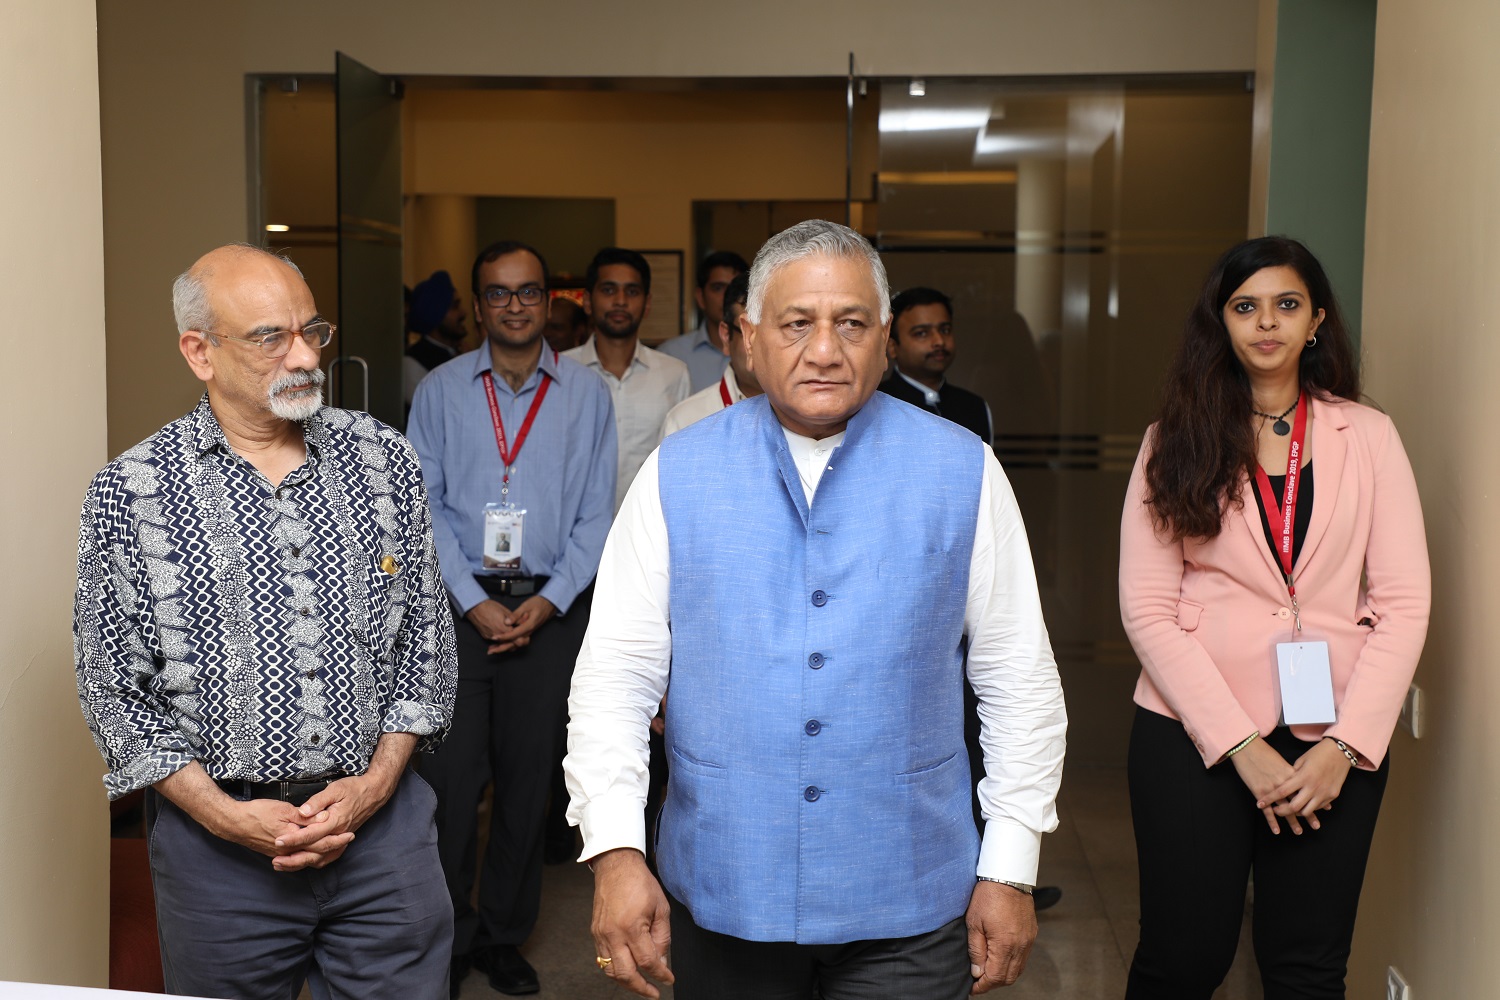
column 1082, row 952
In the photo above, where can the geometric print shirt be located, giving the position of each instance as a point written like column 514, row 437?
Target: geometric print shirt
column 266, row 632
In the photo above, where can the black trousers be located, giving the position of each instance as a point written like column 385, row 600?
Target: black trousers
column 1198, row 836
column 508, row 722
column 711, row 966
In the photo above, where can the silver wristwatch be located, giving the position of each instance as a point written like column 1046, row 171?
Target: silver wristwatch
column 1018, row 886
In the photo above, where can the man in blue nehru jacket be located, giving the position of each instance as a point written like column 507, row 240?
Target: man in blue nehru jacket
column 811, row 601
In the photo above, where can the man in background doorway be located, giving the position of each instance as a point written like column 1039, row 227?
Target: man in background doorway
column 922, row 346
column 738, row 381
column 644, row 383
column 567, row 324
column 437, row 313
column 700, row 348
column 518, row 451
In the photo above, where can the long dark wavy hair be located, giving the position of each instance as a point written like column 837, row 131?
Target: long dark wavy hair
column 1205, row 441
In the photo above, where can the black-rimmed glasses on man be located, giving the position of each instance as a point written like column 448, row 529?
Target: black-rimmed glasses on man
column 497, row 296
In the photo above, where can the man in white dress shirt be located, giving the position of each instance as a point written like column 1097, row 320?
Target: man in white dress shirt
column 738, row 381
column 817, row 832
column 644, row 383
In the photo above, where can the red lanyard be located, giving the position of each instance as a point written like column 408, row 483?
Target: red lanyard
column 509, row 457
column 724, row 392
column 1285, row 516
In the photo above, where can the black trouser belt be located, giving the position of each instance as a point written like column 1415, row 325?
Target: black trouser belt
column 513, row 586
column 296, row 791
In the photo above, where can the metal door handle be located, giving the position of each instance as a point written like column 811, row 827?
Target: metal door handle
column 365, row 372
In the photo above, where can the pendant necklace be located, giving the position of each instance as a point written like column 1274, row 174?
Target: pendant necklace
column 1280, row 427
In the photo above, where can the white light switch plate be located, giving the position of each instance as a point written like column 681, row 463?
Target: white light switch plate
column 1412, row 712
column 1395, row 986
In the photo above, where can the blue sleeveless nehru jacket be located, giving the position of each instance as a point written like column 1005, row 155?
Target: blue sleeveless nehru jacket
column 820, row 789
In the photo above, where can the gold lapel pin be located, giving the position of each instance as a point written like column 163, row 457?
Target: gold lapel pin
column 388, row 564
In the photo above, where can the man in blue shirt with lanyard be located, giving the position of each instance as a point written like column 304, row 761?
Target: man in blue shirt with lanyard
column 518, row 450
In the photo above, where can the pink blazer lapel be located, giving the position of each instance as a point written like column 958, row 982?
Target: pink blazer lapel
column 1328, row 453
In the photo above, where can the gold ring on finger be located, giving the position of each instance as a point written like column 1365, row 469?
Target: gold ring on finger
column 602, row 962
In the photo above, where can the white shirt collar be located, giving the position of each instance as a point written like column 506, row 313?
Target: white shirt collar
column 590, row 357
column 931, row 395
column 812, row 458
column 735, row 395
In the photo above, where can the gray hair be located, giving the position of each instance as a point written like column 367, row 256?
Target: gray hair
column 190, row 291
column 813, row 238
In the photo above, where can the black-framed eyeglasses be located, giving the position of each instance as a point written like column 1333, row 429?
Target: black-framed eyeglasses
column 497, row 297
column 278, row 344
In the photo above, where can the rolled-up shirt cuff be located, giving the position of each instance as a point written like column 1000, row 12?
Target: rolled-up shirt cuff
column 1010, row 852
column 147, row 769
column 609, row 824
column 429, row 723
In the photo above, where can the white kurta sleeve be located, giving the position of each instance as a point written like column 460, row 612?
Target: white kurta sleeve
column 1023, row 723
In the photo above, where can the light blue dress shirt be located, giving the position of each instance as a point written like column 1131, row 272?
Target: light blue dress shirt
column 705, row 361
column 564, row 476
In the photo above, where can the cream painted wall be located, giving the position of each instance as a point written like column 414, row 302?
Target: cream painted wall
column 173, row 96
column 54, row 875
column 1432, row 899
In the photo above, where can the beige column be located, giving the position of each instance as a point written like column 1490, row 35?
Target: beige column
column 441, row 236
column 1039, row 226
column 54, row 871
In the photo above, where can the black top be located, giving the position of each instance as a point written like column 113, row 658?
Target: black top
column 1300, row 520
column 961, row 406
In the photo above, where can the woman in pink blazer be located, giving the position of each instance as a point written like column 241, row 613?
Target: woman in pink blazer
column 1261, row 392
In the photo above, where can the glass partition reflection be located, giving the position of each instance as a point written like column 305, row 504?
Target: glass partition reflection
column 1072, row 224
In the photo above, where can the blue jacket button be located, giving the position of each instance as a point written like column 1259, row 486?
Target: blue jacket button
column 813, row 727
column 811, row 793
column 819, row 598
column 815, row 661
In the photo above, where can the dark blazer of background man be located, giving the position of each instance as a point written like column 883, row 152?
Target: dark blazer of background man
column 923, row 346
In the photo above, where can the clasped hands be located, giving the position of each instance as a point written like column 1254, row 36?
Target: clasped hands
column 1293, row 792
column 509, row 630
column 314, row 834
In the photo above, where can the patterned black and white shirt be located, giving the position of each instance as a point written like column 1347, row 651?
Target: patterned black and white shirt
column 267, row 633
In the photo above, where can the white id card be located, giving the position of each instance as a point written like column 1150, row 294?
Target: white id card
column 1306, row 682
column 503, row 527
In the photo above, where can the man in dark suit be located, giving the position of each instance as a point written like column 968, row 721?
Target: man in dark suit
column 922, row 346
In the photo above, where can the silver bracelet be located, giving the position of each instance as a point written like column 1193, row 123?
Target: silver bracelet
column 1018, row 886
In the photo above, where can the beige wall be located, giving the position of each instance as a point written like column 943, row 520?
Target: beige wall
column 54, row 872
column 1432, row 900
column 173, row 97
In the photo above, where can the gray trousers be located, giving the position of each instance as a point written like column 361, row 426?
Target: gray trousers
column 374, row 924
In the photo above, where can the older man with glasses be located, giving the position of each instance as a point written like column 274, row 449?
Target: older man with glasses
column 518, row 449
column 262, row 642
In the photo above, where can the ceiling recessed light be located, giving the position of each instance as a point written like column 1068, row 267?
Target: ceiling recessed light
column 917, row 87
column 273, row 227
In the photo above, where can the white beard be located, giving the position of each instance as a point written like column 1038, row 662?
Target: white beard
column 303, row 405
